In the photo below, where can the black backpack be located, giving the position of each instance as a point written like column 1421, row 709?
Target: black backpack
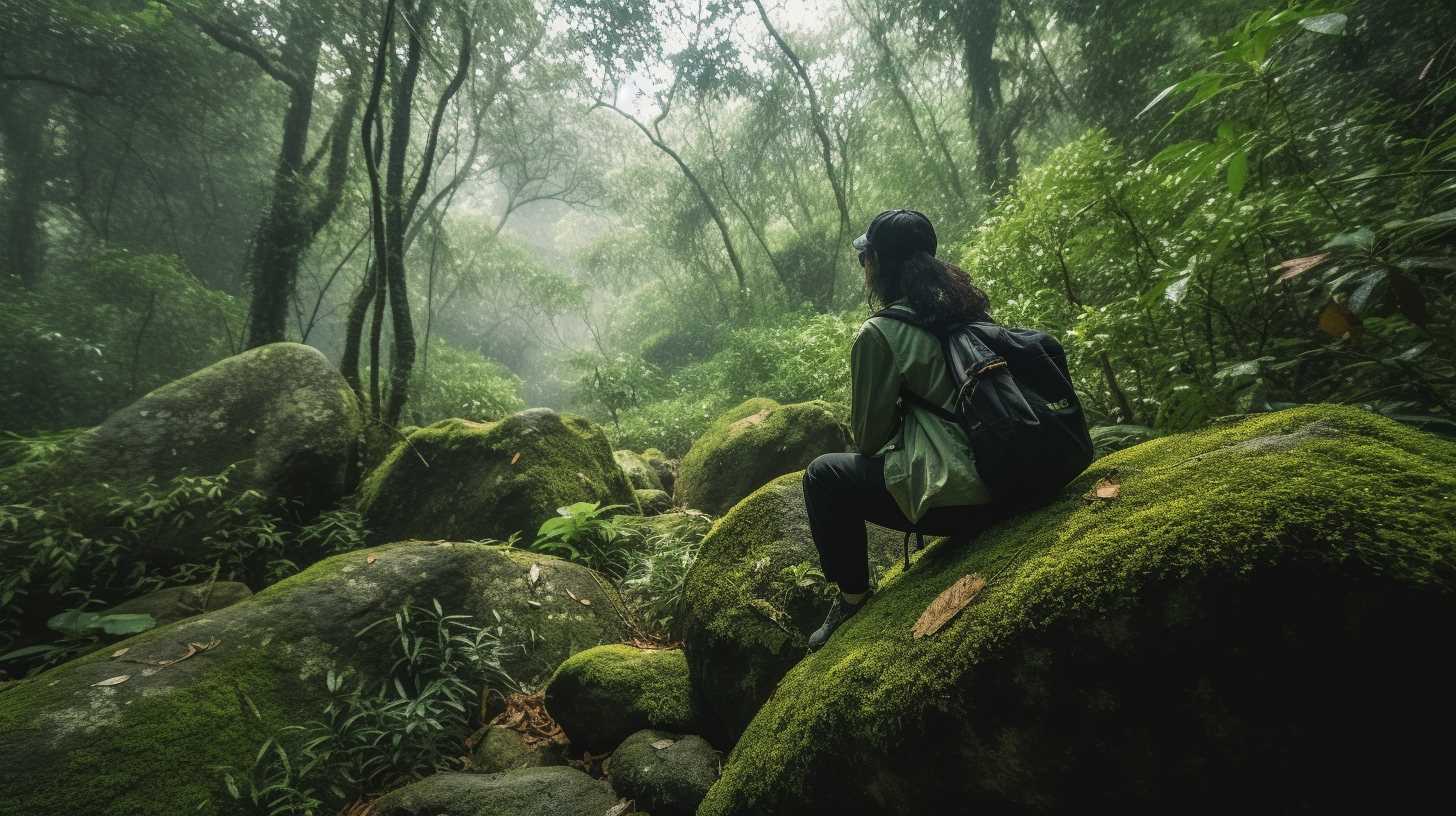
column 1015, row 401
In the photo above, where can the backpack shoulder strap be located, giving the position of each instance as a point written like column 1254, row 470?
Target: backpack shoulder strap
column 908, row 317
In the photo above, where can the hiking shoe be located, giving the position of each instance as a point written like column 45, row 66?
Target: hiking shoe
column 838, row 614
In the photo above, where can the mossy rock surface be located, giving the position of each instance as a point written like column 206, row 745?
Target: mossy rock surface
column 664, row 773
column 175, row 603
column 751, row 444
column 149, row 745
column 653, row 502
column 1250, row 620
column 744, row 627
column 279, row 412
column 601, row 695
column 641, row 475
column 504, row 749
column 665, row 468
column 458, row 479
column 554, row 791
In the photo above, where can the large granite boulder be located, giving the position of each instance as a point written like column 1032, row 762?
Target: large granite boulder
column 1251, row 616
column 550, row 791
column 751, row 444
column 663, row 773
column 748, row 612
column 280, row 415
column 665, row 468
column 641, row 474
column 78, row 740
column 458, row 479
column 601, row 695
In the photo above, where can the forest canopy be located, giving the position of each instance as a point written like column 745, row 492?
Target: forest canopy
column 641, row 211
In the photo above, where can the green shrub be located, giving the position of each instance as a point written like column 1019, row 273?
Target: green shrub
column 459, row 383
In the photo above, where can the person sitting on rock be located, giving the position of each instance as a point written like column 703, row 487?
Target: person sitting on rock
column 913, row 471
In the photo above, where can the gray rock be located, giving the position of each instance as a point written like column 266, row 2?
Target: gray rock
column 653, row 502
column 175, row 603
column 504, row 749
column 641, row 474
column 162, row 730
column 555, row 791
column 464, row 480
column 664, row 773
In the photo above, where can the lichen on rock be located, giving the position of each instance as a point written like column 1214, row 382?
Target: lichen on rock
column 750, row 445
column 464, row 480
column 1248, row 618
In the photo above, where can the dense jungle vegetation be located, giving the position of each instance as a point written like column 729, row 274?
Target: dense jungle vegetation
column 638, row 212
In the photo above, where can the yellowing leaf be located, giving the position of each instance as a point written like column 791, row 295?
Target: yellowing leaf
column 113, row 681
column 1338, row 321
column 948, row 604
column 516, row 458
column 371, row 559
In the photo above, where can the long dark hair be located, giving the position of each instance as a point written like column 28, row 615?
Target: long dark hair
column 941, row 293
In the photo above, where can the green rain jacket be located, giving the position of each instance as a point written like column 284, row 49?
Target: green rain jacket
column 928, row 461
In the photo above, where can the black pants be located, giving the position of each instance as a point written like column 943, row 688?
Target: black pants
column 842, row 491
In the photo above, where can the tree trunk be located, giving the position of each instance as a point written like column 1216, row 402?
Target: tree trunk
column 23, row 125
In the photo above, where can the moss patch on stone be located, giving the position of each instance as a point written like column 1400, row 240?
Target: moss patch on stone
column 665, row 773
column 1249, row 615
column 641, row 474
column 459, row 479
column 751, row 444
column 553, row 791
column 149, row 744
column 601, row 695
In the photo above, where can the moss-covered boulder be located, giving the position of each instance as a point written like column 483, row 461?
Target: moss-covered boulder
column 747, row 618
column 663, row 773
column 641, row 475
column 280, row 412
column 1252, row 618
column 601, row 695
column 750, row 445
column 175, row 603
column 665, row 468
column 653, row 502
column 556, row 791
column 505, row 749
column 458, row 479
column 77, row 740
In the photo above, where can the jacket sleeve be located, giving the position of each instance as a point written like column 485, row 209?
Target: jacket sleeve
column 874, row 390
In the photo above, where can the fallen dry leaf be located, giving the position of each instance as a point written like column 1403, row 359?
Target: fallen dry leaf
column 619, row 808
column 516, row 458
column 535, row 604
column 192, row 649
column 1109, row 487
column 663, row 743
column 950, row 602
column 120, row 652
column 113, row 681
column 534, row 575
column 371, row 559
column 1298, row 266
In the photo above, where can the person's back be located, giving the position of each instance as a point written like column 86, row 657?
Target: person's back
column 913, row 470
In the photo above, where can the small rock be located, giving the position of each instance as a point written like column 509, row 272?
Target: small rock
column 664, row 773
column 504, row 749
column 553, row 791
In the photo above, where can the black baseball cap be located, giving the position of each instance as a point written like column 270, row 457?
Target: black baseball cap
column 898, row 234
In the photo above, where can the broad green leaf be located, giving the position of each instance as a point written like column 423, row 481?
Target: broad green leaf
column 125, row 624
column 1410, row 354
column 28, row 651
column 73, row 622
column 1361, row 238
column 1238, row 173
column 1361, row 299
column 1329, row 24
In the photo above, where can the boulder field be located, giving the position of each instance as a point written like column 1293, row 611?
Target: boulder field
column 1251, row 618
column 77, row 740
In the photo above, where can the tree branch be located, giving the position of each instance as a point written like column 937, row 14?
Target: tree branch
column 239, row 43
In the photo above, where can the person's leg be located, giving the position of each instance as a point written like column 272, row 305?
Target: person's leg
column 841, row 490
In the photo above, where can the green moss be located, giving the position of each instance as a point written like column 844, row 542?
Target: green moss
column 751, row 444
column 639, row 472
column 1335, row 521
column 601, row 695
column 458, row 479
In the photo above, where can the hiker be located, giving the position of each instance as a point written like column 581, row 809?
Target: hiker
column 958, row 421
column 914, row 470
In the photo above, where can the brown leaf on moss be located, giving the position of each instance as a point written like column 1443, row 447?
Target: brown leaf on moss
column 949, row 602
column 516, row 458
column 1108, row 488
column 113, row 681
